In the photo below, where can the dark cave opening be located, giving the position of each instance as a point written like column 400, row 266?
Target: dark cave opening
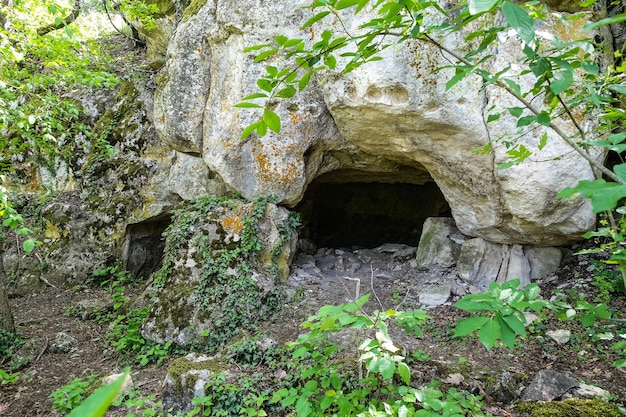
column 144, row 245
column 368, row 214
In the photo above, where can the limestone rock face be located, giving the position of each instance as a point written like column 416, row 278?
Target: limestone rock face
column 389, row 121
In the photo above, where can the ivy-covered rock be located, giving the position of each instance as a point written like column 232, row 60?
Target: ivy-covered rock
column 222, row 263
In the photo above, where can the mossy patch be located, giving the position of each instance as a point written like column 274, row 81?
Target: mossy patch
column 572, row 407
column 183, row 365
column 193, row 9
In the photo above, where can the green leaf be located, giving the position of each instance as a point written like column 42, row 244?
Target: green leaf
column 256, row 47
column 604, row 22
column 315, row 18
column 287, row 92
column 405, row 372
column 562, row 81
column 481, row 6
column 28, row 245
column 248, row 105
column 515, row 324
column 507, row 335
column 604, row 195
column 272, row 120
column 544, row 120
column 515, row 111
column 265, row 54
column 304, row 81
column 249, row 129
column 540, row 67
column 519, row 20
column 97, row 404
column 469, row 325
column 543, row 140
column 255, row 95
column 265, row 85
column 618, row 88
column 344, row 4
column 303, row 407
column 489, row 333
column 386, row 368
column 526, row 120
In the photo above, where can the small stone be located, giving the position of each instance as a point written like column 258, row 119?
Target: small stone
column 127, row 385
column 559, row 336
column 548, row 385
column 502, row 388
column 530, row 318
column 63, row 343
column 590, row 392
column 454, row 379
column 435, row 296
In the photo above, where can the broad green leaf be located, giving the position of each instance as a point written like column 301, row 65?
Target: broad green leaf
column 97, row 404
column 386, row 368
column 519, row 20
column 280, row 39
column 261, row 128
column 265, row 54
column 515, row 111
column 304, row 81
column 562, row 81
column 515, row 324
column 489, row 333
column 315, row 18
column 272, row 120
column 507, row 335
column 526, row 120
column 604, row 195
column 620, row 170
column 265, row 85
column 544, row 120
column 618, row 88
column 469, row 325
column 249, row 129
column 330, row 61
column 481, row 6
column 303, row 407
column 287, row 92
column 28, row 245
column 540, row 67
column 471, row 305
column 405, row 372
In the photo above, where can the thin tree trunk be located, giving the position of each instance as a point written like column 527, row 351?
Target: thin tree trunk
column 6, row 317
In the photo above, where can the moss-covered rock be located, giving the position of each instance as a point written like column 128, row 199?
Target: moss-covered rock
column 572, row 407
column 187, row 378
column 223, row 261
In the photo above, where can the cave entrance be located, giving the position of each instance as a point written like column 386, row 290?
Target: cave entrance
column 143, row 248
column 368, row 214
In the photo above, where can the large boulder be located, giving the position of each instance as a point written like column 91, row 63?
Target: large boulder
column 223, row 260
column 389, row 121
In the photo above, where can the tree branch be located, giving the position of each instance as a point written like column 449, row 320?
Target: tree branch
column 44, row 30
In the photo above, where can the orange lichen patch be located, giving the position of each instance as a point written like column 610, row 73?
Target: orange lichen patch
column 295, row 117
column 278, row 163
column 232, row 224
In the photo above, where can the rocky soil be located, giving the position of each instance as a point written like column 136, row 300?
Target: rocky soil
column 330, row 277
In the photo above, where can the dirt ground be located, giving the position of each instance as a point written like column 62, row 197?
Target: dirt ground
column 41, row 316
